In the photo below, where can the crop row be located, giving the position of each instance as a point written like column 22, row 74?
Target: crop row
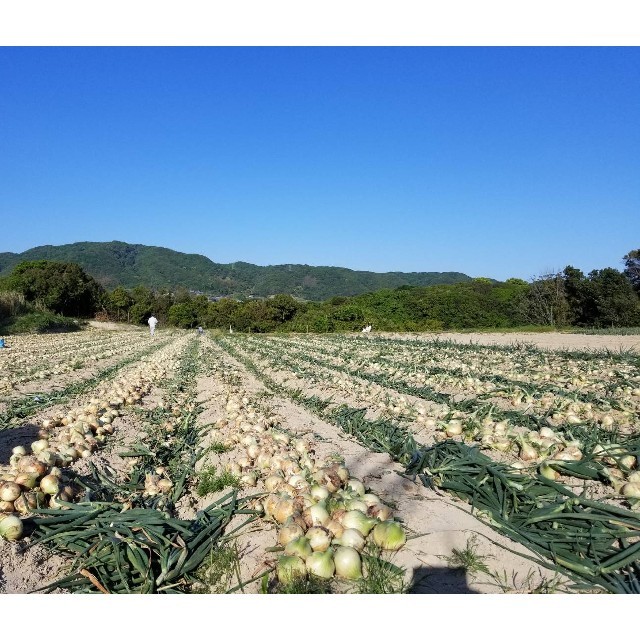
column 595, row 541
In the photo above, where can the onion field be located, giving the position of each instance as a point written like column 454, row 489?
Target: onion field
column 184, row 463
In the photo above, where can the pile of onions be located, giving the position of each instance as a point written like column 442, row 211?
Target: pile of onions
column 324, row 516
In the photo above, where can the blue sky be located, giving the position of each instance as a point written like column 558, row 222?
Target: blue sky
column 499, row 162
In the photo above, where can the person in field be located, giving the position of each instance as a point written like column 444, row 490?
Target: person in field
column 153, row 321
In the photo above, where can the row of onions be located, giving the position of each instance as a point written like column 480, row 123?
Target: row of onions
column 324, row 517
column 444, row 368
column 34, row 477
column 428, row 360
column 53, row 355
column 535, row 449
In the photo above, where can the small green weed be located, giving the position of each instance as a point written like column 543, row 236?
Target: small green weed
column 468, row 559
column 210, row 482
column 216, row 574
column 218, row 447
column 380, row 575
column 310, row 584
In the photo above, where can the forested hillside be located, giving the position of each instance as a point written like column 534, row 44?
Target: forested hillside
column 129, row 265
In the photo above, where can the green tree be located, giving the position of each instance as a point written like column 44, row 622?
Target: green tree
column 62, row 287
column 222, row 314
column 546, row 301
column 632, row 268
column 577, row 288
column 283, row 306
column 616, row 302
column 120, row 301
column 183, row 315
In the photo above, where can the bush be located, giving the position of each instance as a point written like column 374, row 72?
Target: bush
column 12, row 304
column 40, row 322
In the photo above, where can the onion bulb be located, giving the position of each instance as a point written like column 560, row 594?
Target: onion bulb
column 289, row 532
column 628, row 462
column 320, row 563
column 631, row 490
column 453, row 428
column 348, row 563
column 334, row 527
column 165, row 485
column 389, row 536
column 548, row 472
column 273, row 482
column 356, row 486
column 11, row 528
column 370, row 499
column 316, row 515
column 358, row 520
column 10, row 491
column 299, row 547
column 27, row 480
column 39, row 445
column 50, row 485
column 283, row 509
column 319, row 538
column 290, row 569
column 6, row 506
column 319, row 492
column 381, row 512
column 351, row 538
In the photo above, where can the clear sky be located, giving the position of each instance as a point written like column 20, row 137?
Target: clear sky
column 498, row 162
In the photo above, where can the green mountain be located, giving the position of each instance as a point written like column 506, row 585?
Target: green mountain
column 118, row 263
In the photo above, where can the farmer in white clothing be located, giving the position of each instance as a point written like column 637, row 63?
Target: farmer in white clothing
column 153, row 321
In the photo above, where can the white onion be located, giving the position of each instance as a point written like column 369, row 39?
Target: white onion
column 631, row 490
column 39, row 445
column 10, row 491
column 348, row 563
column 320, row 563
column 273, row 482
column 283, row 509
column 289, row 532
column 389, row 536
column 356, row 486
column 357, row 505
column 319, row 492
column 334, row 527
column 319, row 538
column 352, row 538
column 50, row 485
column 299, row 547
column 318, row 515
column 11, row 528
column 358, row 520
column 370, row 499
column 290, row 569
column 381, row 512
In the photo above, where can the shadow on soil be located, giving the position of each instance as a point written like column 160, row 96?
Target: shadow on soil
column 439, row 580
column 10, row 438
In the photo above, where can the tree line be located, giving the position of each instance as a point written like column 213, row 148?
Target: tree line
column 602, row 298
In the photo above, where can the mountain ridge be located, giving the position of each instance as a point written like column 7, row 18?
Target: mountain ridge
column 117, row 263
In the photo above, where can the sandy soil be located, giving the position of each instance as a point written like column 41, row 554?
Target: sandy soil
column 552, row 341
column 113, row 326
